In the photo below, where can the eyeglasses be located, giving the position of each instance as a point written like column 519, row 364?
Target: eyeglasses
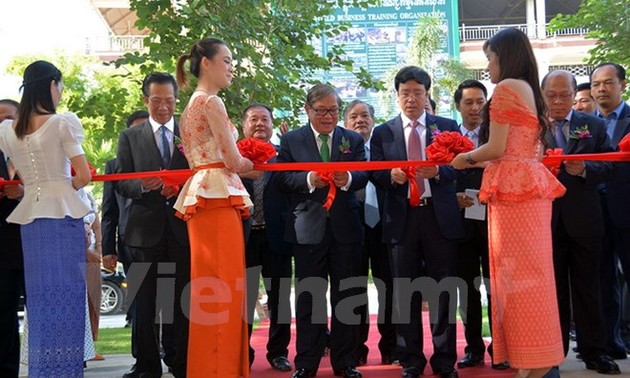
column 156, row 101
column 414, row 95
column 323, row 112
column 562, row 96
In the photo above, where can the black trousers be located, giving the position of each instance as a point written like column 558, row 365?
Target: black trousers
column 472, row 267
column 314, row 263
column 276, row 271
column 576, row 263
column 11, row 287
column 161, row 289
column 425, row 257
column 375, row 256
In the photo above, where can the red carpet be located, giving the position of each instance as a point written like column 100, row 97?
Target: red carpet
column 261, row 368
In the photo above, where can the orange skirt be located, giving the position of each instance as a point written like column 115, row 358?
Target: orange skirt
column 218, row 342
column 525, row 321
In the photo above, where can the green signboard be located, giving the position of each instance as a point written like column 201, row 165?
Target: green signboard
column 378, row 40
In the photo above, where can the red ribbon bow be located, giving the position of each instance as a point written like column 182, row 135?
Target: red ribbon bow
column 327, row 177
column 414, row 191
column 553, row 164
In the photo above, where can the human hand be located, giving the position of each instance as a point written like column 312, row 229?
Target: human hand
column 464, row 201
column 110, row 261
column 340, row 179
column 151, row 183
column 427, row 172
column 316, row 181
column 398, row 176
column 283, row 128
column 14, row 192
column 574, row 167
column 460, row 162
column 252, row 175
column 169, row 191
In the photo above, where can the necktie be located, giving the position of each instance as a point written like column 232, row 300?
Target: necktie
column 4, row 167
column 259, row 188
column 165, row 150
column 473, row 137
column 415, row 152
column 611, row 122
column 324, row 150
column 371, row 206
column 561, row 140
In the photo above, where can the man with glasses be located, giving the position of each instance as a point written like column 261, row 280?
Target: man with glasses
column 156, row 238
column 422, row 239
column 326, row 243
column 577, row 220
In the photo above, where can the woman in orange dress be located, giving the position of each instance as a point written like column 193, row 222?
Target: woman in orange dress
column 519, row 191
column 212, row 202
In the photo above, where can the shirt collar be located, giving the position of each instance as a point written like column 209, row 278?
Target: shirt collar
column 170, row 125
column 615, row 113
column 317, row 134
column 422, row 120
column 465, row 131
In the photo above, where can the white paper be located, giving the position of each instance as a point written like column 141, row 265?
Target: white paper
column 476, row 211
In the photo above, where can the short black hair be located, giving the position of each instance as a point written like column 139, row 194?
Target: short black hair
column 414, row 73
column 135, row 116
column 256, row 105
column 8, row 101
column 459, row 92
column 621, row 72
column 583, row 87
column 160, row 78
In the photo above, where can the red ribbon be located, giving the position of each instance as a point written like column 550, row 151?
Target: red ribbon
column 553, row 164
column 332, row 189
column 414, row 191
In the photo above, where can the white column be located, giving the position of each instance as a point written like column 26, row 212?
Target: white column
column 531, row 19
column 540, row 17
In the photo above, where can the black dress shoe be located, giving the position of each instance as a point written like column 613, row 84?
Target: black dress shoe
column 363, row 355
column 280, row 363
column 348, row 372
column 603, row 365
column 387, row 360
column 132, row 373
column 411, row 372
column 470, row 360
column 501, row 366
column 303, row 373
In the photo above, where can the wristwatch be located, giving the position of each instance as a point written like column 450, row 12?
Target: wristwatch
column 470, row 160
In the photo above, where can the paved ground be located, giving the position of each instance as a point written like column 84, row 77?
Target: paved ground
column 114, row 366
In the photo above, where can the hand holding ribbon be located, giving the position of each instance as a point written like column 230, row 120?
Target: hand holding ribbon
column 553, row 164
column 327, row 177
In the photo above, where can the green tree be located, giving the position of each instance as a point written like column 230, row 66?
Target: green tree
column 607, row 22
column 271, row 41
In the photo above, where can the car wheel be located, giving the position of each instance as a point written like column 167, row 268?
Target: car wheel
column 111, row 299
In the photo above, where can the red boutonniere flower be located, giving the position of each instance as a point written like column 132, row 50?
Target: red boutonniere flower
column 580, row 133
column 434, row 130
column 256, row 150
column 178, row 143
column 446, row 145
column 344, row 147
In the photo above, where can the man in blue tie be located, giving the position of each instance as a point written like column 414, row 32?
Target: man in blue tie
column 577, row 221
column 359, row 116
column 608, row 82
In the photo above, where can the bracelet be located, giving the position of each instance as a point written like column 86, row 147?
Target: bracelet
column 470, row 160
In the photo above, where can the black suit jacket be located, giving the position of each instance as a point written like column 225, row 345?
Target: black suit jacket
column 10, row 240
column 275, row 209
column 150, row 213
column 617, row 190
column 115, row 209
column 306, row 221
column 388, row 143
column 580, row 207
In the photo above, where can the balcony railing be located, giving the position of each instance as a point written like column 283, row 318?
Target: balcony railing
column 115, row 44
column 477, row 33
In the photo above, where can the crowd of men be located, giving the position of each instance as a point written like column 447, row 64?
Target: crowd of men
column 370, row 226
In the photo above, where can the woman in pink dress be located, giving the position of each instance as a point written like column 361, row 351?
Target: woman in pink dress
column 212, row 202
column 519, row 191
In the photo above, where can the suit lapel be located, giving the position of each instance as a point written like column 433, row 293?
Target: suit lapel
column 550, row 140
column 396, row 128
column 428, row 132
column 149, row 139
column 336, row 142
column 4, row 172
column 310, row 144
column 621, row 128
column 572, row 142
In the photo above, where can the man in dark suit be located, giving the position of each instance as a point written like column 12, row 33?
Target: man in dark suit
column 155, row 237
column 422, row 240
column 11, row 269
column 266, row 252
column 115, row 209
column 472, row 255
column 325, row 243
column 577, row 220
column 359, row 116
column 608, row 82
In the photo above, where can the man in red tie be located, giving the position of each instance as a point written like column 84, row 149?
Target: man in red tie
column 422, row 240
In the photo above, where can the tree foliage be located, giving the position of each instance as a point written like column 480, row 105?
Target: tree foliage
column 608, row 22
column 271, row 42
